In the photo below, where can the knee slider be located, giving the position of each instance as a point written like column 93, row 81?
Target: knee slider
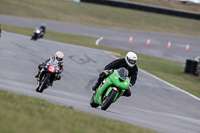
column 58, row 77
column 127, row 93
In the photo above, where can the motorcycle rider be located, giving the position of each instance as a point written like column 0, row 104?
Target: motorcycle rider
column 59, row 57
column 129, row 62
column 43, row 30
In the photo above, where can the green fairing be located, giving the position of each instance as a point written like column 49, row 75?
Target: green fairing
column 113, row 81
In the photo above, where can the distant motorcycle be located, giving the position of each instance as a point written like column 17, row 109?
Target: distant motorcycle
column 48, row 72
column 111, row 89
column 37, row 34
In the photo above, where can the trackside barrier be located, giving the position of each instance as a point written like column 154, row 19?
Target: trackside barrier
column 148, row 42
column 191, row 67
column 198, row 69
column 130, row 39
column 147, row 8
column 187, row 47
column 169, row 45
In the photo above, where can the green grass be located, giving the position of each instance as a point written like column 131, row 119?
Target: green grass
column 98, row 15
column 171, row 71
column 23, row 114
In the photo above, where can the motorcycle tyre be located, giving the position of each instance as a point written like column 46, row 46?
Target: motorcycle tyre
column 110, row 100
column 33, row 37
column 37, row 89
column 92, row 103
column 44, row 84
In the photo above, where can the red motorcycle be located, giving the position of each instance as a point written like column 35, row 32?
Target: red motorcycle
column 47, row 75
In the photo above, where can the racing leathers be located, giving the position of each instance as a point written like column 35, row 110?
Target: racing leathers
column 116, row 64
column 43, row 30
column 57, row 77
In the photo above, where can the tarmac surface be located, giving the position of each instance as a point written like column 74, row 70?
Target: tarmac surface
column 154, row 104
column 119, row 38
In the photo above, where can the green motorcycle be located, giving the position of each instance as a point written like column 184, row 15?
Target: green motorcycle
column 111, row 89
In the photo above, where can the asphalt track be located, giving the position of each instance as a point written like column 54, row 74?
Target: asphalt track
column 119, row 38
column 154, row 104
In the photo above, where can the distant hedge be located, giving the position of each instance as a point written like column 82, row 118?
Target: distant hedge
column 148, row 8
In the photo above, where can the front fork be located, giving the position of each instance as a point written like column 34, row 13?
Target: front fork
column 109, row 91
column 41, row 74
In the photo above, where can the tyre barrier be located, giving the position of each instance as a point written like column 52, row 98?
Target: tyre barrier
column 198, row 69
column 191, row 67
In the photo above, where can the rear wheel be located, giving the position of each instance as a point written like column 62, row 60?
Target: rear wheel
column 108, row 100
column 44, row 84
column 92, row 103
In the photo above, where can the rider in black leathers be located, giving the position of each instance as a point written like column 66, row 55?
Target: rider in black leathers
column 129, row 62
column 43, row 28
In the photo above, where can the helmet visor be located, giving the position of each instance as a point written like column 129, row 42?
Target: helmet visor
column 133, row 62
column 59, row 59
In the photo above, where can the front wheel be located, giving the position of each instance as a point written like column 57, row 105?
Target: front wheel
column 107, row 101
column 44, row 84
column 33, row 37
column 92, row 103
column 37, row 88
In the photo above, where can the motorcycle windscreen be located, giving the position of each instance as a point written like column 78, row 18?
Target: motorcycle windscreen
column 123, row 73
column 54, row 63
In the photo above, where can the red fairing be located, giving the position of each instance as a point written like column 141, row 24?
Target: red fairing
column 51, row 69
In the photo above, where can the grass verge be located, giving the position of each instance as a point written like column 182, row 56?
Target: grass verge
column 170, row 71
column 98, row 15
column 34, row 115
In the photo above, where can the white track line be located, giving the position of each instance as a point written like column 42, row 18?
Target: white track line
column 166, row 82
column 170, row 84
column 98, row 40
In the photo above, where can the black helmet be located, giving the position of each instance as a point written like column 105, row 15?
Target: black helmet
column 43, row 26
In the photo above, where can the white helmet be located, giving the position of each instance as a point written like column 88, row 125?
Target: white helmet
column 131, row 59
column 59, row 56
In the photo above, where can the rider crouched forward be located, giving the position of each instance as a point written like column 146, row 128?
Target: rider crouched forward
column 59, row 57
column 129, row 62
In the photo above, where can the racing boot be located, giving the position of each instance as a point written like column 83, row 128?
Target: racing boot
column 36, row 76
column 94, row 88
column 127, row 93
column 51, row 84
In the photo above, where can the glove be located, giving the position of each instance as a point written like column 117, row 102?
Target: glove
column 41, row 65
column 59, row 71
column 108, row 72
